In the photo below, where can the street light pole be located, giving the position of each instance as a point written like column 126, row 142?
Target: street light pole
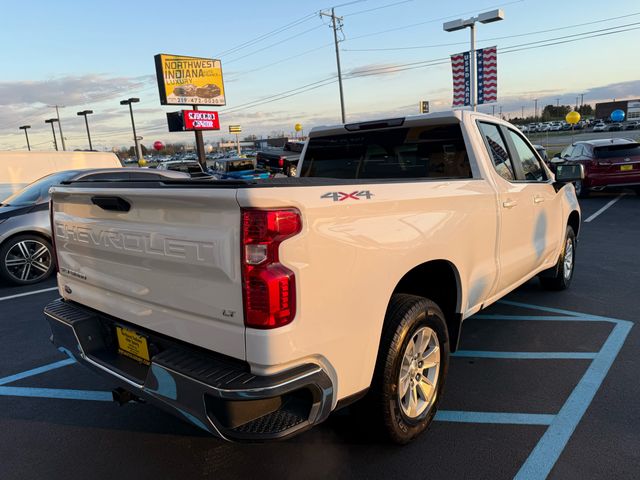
column 84, row 113
column 53, row 130
column 129, row 101
column 25, row 128
column 459, row 24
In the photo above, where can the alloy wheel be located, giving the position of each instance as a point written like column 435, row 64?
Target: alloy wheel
column 28, row 261
column 419, row 372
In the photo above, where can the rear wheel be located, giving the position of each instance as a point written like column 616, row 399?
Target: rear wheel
column 411, row 367
column 560, row 276
column 26, row 259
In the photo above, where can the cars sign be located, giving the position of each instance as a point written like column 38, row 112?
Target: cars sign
column 200, row 120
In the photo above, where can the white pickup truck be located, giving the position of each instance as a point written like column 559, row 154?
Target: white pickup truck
column 256, row 308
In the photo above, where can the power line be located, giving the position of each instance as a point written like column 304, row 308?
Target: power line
column 411, row 25
column 259, row 101
column 278, row 30
column 376, row 8
column 274, row 44
column 271, row 64
column 491, row 39
column 284, row 28
column 585, row 35
column 532, row 46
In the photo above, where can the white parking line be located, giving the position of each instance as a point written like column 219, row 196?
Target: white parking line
column 595, row 215
column 28, row 293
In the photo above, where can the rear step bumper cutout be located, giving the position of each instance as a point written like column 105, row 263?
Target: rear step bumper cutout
column 215, row 393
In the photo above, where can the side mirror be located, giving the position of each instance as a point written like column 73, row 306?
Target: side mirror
column 569, row 173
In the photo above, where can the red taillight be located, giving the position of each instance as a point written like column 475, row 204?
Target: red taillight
column 54, row 254
column 269, row 287
column 281, row 162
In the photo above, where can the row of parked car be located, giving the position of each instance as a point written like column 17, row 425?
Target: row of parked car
column 597, row 125
column 265, row 164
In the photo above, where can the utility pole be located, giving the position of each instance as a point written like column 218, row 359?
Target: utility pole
column 522, row 116
column 535, row 102
column 336, row 24
column 501, row 112
column 493, row 110
column 64, row 146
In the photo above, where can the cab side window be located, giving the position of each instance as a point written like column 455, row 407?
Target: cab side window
column 497, row 150
column 528, row 160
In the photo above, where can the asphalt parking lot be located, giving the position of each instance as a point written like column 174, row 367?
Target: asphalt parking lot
column 545, row 384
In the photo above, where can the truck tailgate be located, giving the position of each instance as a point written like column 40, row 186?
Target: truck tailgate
column 173, row 269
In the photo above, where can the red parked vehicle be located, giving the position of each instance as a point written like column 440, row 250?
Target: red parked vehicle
column 611, row 162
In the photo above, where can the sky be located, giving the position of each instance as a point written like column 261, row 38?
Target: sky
column 279, row 61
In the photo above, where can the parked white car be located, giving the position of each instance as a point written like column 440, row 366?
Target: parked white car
column 255, row 308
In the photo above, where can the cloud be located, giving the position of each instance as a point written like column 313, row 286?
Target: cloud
column 69, row 90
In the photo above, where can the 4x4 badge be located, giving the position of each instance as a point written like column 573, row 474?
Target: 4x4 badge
column 341, row 196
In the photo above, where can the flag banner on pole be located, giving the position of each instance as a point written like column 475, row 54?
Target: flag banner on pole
column 487, row 66
column 460, row 68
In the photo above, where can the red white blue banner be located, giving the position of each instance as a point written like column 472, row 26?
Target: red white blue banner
column 487, row 68
column 460, row 68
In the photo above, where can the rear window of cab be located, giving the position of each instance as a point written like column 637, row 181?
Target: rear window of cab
column 433, row 151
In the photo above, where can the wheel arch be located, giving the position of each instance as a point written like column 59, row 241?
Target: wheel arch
column 439, row 281
column 574, row 221
column 33, row 231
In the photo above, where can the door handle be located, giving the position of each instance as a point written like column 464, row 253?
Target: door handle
column 114, row 204
column 538, row 199
column 509, row 204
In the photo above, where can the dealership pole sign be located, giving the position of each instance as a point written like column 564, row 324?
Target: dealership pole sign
column 189, row 80
column 487, row 67
column 486, row 77
column 461, row 70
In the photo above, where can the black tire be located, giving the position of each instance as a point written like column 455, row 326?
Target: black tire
column 581, row 190
column 10, row 253
column 556, row 278
column 406, row 316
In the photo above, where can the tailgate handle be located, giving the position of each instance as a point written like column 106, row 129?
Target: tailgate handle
column 114, row 204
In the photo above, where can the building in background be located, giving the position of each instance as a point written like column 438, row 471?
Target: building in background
column 631, row 109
